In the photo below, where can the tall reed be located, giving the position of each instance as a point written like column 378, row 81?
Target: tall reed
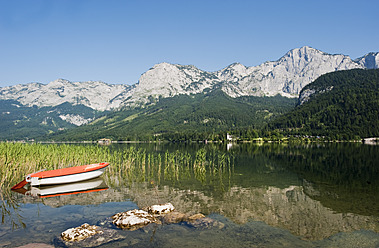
column 18, row 159
column 126, row 166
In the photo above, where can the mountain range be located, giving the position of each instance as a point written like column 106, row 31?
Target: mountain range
column 286, row 77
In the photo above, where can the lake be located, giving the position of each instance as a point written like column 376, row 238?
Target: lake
column 268, row 195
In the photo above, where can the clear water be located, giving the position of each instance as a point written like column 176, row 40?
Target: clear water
column 269, row 196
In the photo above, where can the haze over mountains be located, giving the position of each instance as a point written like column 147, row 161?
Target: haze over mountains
column 286, row 76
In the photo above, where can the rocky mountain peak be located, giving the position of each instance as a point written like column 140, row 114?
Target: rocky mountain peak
column 369, row 61
column 233, row 69
column 303, row 51
column 167, row 80
column 286, row 76
column 61, row 80
column 59, row 83
column 163, row 71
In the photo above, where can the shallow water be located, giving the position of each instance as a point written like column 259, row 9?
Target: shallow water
column 267, row 196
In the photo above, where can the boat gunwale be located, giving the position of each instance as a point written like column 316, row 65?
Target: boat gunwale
column 76, row 170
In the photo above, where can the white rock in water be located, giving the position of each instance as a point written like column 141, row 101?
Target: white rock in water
column 161, row 208
column 79, row 233
column 133, row 219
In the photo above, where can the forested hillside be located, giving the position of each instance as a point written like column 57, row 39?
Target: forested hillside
column 184, row 117
column 340, row 105
column 22, row 122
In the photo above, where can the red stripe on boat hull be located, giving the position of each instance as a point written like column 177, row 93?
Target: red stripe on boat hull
column 69, row 170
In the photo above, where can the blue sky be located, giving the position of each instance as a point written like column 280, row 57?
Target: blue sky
column 116, row 41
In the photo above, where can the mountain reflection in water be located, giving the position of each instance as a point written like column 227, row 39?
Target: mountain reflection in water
column 312, row 191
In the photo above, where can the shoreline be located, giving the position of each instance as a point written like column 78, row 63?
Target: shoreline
column 367, row 141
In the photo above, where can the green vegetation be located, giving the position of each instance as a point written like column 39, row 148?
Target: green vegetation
column 126, row 166
column 22, row 122
column 195, row 117
column 345, row 106
column 19, row 159
column 133, row 164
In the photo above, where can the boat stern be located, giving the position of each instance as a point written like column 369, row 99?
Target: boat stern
column 32, row 180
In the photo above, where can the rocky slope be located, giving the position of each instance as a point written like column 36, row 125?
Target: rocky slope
column 96, row 95
column 369, row 61
column 286, row 76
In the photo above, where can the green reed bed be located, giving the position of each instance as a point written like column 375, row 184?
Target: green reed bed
column 126, row 165
column 18, row 160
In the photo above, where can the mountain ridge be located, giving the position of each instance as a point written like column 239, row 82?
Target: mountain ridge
column 285, row 76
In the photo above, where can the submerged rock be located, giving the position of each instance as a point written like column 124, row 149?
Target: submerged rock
column 133, row 219
column 174, row 217
column 206, row 223
column 36, row 245
column 196, row 217
column 79, row 233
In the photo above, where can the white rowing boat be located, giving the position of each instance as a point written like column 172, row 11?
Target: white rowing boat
column 62, row 176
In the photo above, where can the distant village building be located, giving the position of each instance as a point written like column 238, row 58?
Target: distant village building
column 104, row 142
column 371, row 141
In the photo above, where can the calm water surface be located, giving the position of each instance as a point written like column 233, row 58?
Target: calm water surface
column 271, row 195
